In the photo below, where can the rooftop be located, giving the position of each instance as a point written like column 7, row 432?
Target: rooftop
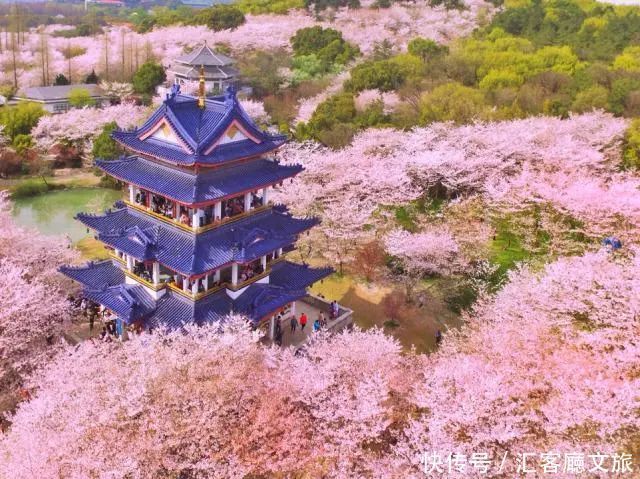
column 57, row 92
column 189, row 188
column 181, row 133
column 205, row 56
column 146, row 238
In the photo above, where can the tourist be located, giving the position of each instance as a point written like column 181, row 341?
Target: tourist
column 323, row 319
column 438, row 336
column 316, row 325
column 303, row 321
column 294, row 324
column 334, row 309
column 278, row 335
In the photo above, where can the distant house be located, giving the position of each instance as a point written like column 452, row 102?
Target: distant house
column 114, row 3
column 219, row 71
column 55, row 99
column 204, row 3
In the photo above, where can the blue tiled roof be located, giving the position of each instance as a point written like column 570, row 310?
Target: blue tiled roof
column 261, row 299
column 199, row 129
column 129, row 302
column 95, row 275
column 147, row 238
column 257, row 301
column 296, row 276
column 208, row 185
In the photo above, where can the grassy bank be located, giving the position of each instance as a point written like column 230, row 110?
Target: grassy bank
column 36, row 185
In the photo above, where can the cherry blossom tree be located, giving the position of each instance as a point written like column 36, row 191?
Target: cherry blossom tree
column 81, row 126
column 33, row 301
column 549, row 364
column 570, row 164
column 434, row 252
column 545, row 366
column 210, row 403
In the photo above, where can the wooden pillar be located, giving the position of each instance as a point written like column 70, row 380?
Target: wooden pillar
column 263, row 261
column 194, row 286
column 265, row 195
column 217, row 210
column 234, row 274
column 156, row 273
column 185, row 284
column 132, row 194
column 272, row 328
column 216, row 275
column 206, row 282
column 247, row 201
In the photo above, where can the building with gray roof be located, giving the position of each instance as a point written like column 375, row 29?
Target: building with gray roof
column 219, row 71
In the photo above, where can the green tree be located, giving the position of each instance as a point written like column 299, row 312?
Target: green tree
column 320, row 5
column 261, row 70
column 105, row 147
column 92, row 78
column 313, row 39
column 80, row 97
column 595, row 97
column 148, row 77
column 61, row 80
column 451, row 102
column 426, row 49
column 620, row 94
column 20, row 119
column 631, row 151
column 220, row 17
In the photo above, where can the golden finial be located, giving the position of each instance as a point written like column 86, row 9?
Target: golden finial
column 201, row 88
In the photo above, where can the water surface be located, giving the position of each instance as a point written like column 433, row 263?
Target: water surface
column 52, row 213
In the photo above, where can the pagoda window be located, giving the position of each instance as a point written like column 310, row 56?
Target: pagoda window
column 144, row 271
column 225, row 275
column 233, row 207
column 250, row 270
column 184, row 216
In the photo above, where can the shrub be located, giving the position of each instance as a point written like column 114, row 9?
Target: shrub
column 104, row 147
column 20, row 119
column 29, row 188
column 80, row 97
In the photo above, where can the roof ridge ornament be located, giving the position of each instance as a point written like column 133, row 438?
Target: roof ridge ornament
column 230, row 97
column 175, row 91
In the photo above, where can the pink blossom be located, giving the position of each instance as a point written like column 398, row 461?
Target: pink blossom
column 82, row 125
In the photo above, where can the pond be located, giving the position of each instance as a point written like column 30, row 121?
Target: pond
column 52, row 213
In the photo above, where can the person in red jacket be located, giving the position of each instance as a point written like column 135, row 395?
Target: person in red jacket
column 303, row 321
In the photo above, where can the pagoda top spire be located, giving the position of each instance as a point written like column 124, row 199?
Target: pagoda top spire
column 201, row 88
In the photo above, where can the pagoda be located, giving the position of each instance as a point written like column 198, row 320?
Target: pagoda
column 196, row 237
column 218, row 69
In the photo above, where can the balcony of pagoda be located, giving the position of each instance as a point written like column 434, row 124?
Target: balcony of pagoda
column 203, row 217
column 234, row 277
